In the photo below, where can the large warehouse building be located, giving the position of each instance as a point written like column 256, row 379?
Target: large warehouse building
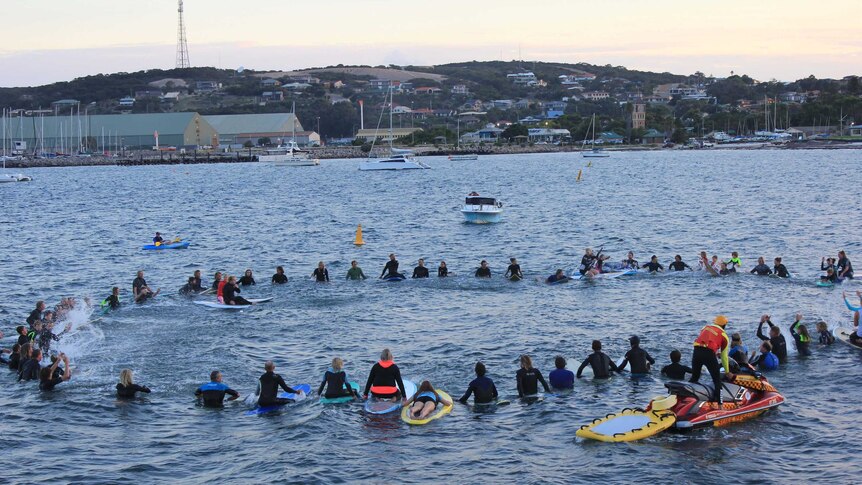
column 278, row 127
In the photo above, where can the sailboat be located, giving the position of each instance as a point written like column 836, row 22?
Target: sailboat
column 595, row 152
column 461, row 156
column 289, row 155
column 10, row 177
column 399, row 159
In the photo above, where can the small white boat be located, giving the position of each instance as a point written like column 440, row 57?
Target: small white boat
column 466, row 156
column 482, row 210
column 14, row 177
column 595, row 153
column 397, row 161
column 288, row 156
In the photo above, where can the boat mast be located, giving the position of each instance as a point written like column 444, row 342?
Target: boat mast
column 391, row 106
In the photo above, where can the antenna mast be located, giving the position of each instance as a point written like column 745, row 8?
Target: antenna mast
column 182, row 44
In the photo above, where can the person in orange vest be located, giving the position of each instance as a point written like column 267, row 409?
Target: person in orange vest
column 712, row 340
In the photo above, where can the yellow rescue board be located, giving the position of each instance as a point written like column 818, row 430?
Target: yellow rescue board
column 628, row 425
column 437, row 414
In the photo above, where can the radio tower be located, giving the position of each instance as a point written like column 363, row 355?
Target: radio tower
column 182, row 45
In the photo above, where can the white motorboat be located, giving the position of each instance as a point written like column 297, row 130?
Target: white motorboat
column 482, row 210
column 289, row 155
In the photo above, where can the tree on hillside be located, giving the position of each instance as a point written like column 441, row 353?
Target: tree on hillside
column 514, row 130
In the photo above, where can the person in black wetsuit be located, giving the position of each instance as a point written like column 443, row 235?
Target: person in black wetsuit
column 442, row 270
column 15, row 357
column 247, row 279
column 826, row 263
column 335, row 382
column 36, row 314
column 384, row 380
column 420, row 271
column 49, row 377
column 528, row 378
column 320, row 273
column 830, row 276
column 630, row 262
column 780, row 270
column 761, row 269
column 779, row 345
column 675, row 370
column 198, row 286
column 113, row 300
column 843, row 266
column 724, row 270
column 279, row 278
column 638, row 357
column 558, row 277
column 513, row 272
column 23, row 336
column 188, row 289
column 140, row 290
column 230, row 293
column 653, row 266
column 602, row 364
column 267, row 387
column 216, row 281
column 482, row 388
column 126, row 388
column 28, row 369
column 800, row 335
column 483, row 271
column 390, row 270
column 214, row 391
column 678, row 264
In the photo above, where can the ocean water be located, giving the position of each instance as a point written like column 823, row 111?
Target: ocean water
column 78, row 232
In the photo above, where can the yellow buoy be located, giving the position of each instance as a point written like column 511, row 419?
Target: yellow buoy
column 579, row 176
column 358, row 241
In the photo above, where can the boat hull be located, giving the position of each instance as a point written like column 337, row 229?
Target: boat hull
column 463, row 157
column 372, row 166
column 482, row 217
column 17, row 177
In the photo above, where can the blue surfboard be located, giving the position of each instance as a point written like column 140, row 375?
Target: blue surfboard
column 384, row 406
column 306, row 388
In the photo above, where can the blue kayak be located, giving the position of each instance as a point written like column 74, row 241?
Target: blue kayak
column 176, row 245
column 306, row 388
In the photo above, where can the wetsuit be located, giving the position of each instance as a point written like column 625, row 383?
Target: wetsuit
column 14, row 360
column 268, row 386
column 29, row 370
column 825, row 338
column 483, row 272
column 712, row 339
column 442, row 271
column 213, row 394
column 420, row 272
column 562, row 379
column 528, row 382
column 484, row 389
column 587, row 263
column 826, row 266
column 802, row 342
column 355, row 274
column 247, row 281
column 216, row 284
column 781, row 271
column 426, row 397
column 391, row 269
column 25, row 339
column 766, row 361
column 384, row 380
column 55, row 378
column 279, row 278
column 36, row 314
column 138, row 283
column 734, row 263
column 188, row 289
column 336, row 384
column 678, row 266
column 841, row 265
column 653, row 267
column 630, row 264
column 779, row 345
column 601, row 364
column 321, row 275
column 45, row 338
column 675, row 370
column 32, row 334
column 554, row 278
column 514, row 271
column 128, row 392
column 231, row 296
column 638, row 359
column 761, row 270
column 197, row 285
column 830, row 278
column 739, row 353
column 112, row 302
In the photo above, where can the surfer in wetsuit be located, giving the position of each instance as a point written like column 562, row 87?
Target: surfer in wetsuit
column 214, row 391
column 230, row 293
column 188, row 289
column 320, row 273
column 355, row 272
column 780, row 270
column 528, row 378
column 558, row 277
column 654, row 266
column 36, row 314
column 267, row 387
column 761, row 269
column 113, row 301
column 601, row 364
column 843, row 267
column 247, row 279
column 630, row 262
column 639, row 358
column 734, row 261
column 591, row 263
column 483, row 271
column 560, row 377
column 678, row 264
column 442, row 270
column 126, row 389
column 675, row 370
column 390, row 270
column 141, row 290
column 279, row 278
column 217, row 281
column 384, row 380
column 420, row 271
column 335, row 382
column 198, row 284
column 513, row 272
column 482, row 388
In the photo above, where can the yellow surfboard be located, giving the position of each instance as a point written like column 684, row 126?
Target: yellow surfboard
column 437, row 414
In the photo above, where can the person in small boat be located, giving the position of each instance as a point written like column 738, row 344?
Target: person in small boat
column 560, row 377
column 420, row 271
column 780, row 270
column 213, row 392
column 761, row 269
column 320, row 273
column 384, row 380
column 425, row 401
column 654, row 266
column 601, row 364
column 766, row 360
column 442, row 270
column 279, row 278
column 734, row 261
column 528, row 378
column 247, row 279
column 390, row 270
column 712, row 340
column 231, row 291
column 158, row 240
column 675, row 370
column 355, row 272
column 126, row 388
column 483, row 271
column 513, row 272
column 777, row 341
column 843, row 266
column 799, row 332
column 639, row 358
column 678, row 264
column 268, row 385
column 482, row 388
column 113, row 300
column 558, row 277
column 824, row 336
column 630, row 262
column 335, row 382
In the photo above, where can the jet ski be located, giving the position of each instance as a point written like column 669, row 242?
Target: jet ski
column 688, row 406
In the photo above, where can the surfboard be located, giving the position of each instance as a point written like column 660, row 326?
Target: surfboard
column 215, row 304
column 401, row 277
column 825, row 284
column 343, row 399
column 384, row 406
column 305, row 388
column 576, row 275
column 843, row 334
column 442, row 410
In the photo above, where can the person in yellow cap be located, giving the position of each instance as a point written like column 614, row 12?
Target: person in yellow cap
column 712, row 340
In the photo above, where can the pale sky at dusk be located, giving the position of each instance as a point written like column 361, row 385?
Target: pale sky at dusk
column 56, row 40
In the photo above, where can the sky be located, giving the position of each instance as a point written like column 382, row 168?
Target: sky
column 46, row 41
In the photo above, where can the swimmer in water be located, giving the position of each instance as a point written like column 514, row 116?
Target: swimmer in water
column 247, row 279
column 483, row 271
column 601, row 364
column 558, row 277
column 126, row 388
column 279, row 278
column 482, row 388
column 528, row 378
column 442, row 270
column 678, row 264
column 390, row 270
column 761, row 269
column 230, row 293
column 420, row 271
column 425, row 401
column 561, row 378
column 213, row 392
column 268, row 385
column 513, row 272
column 654, row 266
column 355, row 272
column 320, row 274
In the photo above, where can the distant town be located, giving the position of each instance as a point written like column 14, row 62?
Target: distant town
column 476, row 106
